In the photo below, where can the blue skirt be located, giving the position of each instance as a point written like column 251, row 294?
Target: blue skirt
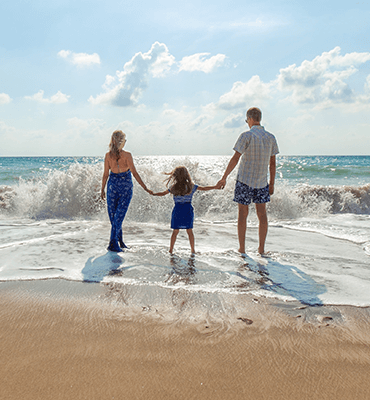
column 182, row 216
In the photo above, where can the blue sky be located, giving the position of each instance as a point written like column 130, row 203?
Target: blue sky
column 178, row 77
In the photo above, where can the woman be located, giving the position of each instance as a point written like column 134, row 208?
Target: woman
column 119, row 189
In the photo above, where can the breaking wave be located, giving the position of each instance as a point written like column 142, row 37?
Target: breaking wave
column 75, row 194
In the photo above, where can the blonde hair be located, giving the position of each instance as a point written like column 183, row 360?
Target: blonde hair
column 179, row 181
column 117, row 138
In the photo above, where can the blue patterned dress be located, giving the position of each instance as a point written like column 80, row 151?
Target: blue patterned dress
column 119, row 195
column 183, row 212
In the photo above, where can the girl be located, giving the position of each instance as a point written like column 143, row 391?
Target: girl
column 119, row 189
column 182, row 188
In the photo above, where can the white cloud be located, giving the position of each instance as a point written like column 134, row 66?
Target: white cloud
column 322, row 80
column 234, row 121
column 6, row 129
column 127, row 86
column 80, row 59
column 4, row 98
column 243, row 94
column 200, row 62
column 57, row 98
column 86, row 128
column 367, row 85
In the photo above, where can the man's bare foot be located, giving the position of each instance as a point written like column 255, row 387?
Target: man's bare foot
column 241, row 250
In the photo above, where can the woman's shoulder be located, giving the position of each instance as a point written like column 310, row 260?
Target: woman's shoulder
column 108, row 157
column 126, row 154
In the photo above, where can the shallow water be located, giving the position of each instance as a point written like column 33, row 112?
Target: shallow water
column 53, row 225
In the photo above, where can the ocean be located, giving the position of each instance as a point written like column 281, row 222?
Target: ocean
column 53, row 225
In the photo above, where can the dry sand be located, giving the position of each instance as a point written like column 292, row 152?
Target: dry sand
column 59, row 345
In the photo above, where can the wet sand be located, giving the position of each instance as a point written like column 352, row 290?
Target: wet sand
column 57, row 341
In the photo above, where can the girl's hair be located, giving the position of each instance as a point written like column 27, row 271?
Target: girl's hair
column 117, row 138
column 179, row 181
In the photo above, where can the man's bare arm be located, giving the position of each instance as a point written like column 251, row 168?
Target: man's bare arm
column 272, row 174
column 232, row 164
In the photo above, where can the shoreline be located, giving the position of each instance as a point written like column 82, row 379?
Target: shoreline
column 63, row 340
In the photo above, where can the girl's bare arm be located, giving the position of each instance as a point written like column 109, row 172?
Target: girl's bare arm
column 161, row 193
column 204, row 188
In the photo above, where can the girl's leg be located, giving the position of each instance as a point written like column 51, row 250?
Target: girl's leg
column 173, row 239
column 191, row 239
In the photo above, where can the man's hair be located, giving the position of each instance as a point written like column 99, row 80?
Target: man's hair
column 254, row 113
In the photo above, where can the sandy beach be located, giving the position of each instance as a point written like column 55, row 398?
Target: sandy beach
column 71, row 340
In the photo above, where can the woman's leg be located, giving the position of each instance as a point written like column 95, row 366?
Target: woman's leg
column 119, row 216
column 112, row 205
column 119, row 195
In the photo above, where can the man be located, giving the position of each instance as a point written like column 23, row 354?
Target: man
column 257, row 149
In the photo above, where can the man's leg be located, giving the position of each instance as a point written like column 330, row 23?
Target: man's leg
column 242, row 225
column 263, row 226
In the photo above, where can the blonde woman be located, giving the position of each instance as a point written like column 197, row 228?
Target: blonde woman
column 118, row 167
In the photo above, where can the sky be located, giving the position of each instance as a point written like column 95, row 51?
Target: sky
column 178, row 77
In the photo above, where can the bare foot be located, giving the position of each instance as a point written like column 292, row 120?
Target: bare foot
column 264, row 254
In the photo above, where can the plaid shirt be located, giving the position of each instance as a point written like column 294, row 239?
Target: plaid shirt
column 256, row 147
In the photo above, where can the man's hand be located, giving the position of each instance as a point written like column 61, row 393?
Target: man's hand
column 102, row 195
column 221, row 184
column 271, row 188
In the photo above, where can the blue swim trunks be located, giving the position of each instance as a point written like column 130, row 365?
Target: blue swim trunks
column 244, row 194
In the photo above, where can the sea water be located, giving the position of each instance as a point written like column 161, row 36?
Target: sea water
column 53, row 224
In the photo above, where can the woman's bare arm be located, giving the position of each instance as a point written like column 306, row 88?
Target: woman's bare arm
column 131, row 165
column 105, row 177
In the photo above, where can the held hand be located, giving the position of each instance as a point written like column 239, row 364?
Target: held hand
column 150, row 192
column 221, row 184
